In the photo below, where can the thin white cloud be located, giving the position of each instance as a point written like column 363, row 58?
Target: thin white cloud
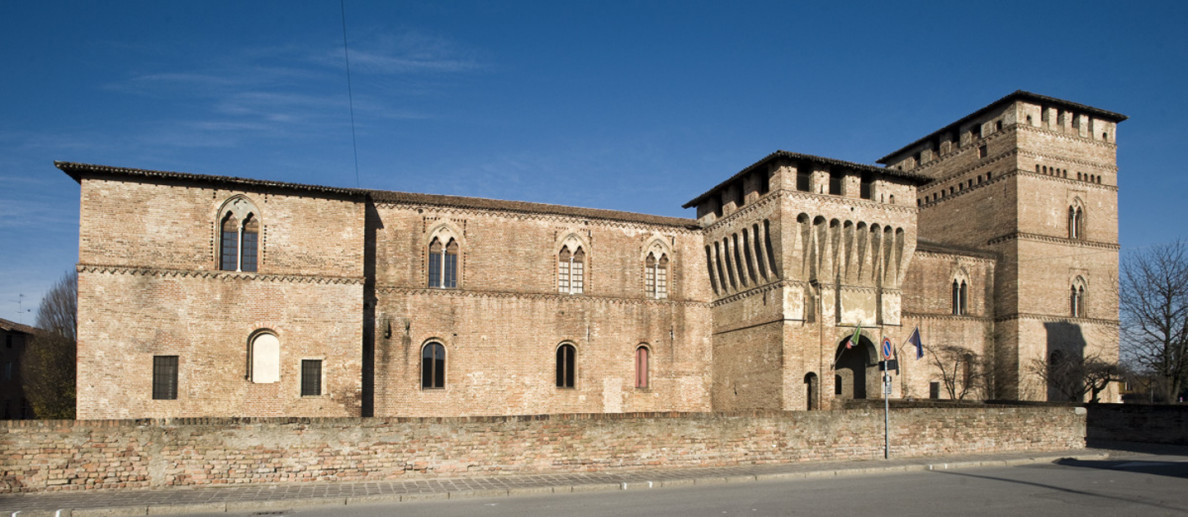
column 291, row 92
column 388, row 64
column 405, row 52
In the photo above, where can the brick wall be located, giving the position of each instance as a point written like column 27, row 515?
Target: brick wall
column 1138, row 423
column 79, row 455
column 150, row 285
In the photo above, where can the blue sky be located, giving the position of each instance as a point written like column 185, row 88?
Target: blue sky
column 636, row 106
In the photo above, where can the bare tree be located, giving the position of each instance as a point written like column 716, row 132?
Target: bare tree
column 1070, row 378
column 1153, row 297
column 48, row 363
column 961, row 369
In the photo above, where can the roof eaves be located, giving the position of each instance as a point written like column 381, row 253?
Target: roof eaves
column 524, row 206
column 12, row 326
column 77, row 170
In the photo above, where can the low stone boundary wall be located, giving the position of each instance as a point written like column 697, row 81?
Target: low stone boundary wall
column 1138, row 423
column 75, row 455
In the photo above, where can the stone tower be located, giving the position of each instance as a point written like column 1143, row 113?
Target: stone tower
column 801, row 250
column 1032, row 179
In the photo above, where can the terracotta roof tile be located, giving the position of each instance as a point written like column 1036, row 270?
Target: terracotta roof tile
column 12, row 326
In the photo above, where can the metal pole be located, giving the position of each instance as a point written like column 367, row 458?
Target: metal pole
column 886, row 412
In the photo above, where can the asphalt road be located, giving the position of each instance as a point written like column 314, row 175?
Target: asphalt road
column 1143, row 485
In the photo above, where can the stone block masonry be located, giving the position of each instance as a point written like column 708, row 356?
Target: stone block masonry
column 109, row 454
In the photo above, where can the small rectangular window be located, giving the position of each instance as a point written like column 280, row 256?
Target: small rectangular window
column 311, row 377
column 982, row 151
column 802, row 181
column 835, row 184
column 165, row 377
column 934, row 390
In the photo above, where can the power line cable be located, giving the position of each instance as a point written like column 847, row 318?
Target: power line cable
column 350, row 94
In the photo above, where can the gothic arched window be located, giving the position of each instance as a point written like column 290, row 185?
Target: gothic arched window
column 960, row 297
column 571, row 270
column 443, row 263
column 239, row 231
column 656, row 276
column 1076, row 222
column 1076, row 300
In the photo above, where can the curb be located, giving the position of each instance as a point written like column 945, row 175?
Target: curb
column 289, row 504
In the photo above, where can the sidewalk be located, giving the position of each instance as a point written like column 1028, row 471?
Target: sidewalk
column 254, row 498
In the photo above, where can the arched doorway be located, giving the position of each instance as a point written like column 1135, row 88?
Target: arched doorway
column 855, row 367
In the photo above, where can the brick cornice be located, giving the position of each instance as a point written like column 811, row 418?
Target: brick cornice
column 1009, row 174
column 1112, row 167
column 848, row 201
column 972, row 147
column 215, row 275
column 754, row 291
column 956, row 253
column 1024, row 236
column 942, row 316
column 764, row 200
column 1074, row 182
column 691, row 229
column 1054, row 319
column 576, row 298
column 943, row 182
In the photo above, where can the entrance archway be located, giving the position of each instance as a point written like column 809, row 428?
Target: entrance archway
column 855, row 366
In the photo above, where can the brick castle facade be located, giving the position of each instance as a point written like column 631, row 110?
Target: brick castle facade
column 218, row 296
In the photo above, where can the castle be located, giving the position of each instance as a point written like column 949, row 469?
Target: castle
column 996, row 236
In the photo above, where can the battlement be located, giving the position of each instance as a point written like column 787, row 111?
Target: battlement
column 1020, row 107
column 788, row 171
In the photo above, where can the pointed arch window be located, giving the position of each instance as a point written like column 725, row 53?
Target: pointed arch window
column 1076, row 301
column 239, row 231
column 571, row 270
column 656, row 276
column 250, row 239
column 229, row 260
column 960, row 297
column 1076, row 222
column 443, row 263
